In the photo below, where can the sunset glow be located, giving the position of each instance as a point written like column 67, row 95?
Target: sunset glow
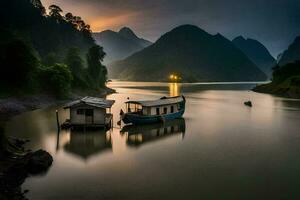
column 103, row 23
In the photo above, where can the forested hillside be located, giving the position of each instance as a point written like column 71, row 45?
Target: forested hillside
column 42, row 52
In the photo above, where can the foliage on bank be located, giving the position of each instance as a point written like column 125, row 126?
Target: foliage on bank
column 52, row 53
column 285, row 82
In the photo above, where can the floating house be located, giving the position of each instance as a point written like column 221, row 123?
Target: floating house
column 90, row 112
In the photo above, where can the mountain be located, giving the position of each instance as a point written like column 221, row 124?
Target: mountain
column 291, row 54
column 193, row 54
column 119, row 45
column 257, row 53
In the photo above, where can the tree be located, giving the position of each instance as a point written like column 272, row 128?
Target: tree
column 69, row 17
column 96, row 71
column 75, row 63
column 19, row 63
column 55, row 12
column 289, row 70
column 56, row 79
column 38, row 4
column 77, row 23
column 50, row 59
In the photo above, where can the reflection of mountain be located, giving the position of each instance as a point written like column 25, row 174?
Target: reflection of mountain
column 141, row 134
column 87, row 143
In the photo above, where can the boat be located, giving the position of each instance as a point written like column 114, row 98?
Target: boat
column 153, row 111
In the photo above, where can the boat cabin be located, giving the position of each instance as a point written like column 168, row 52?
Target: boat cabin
column 90, row 112
column 163, row 106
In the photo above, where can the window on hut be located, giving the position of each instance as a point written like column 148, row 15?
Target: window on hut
column 165, row 110
column 172, row 109
column 80, row 111
column 157, row 111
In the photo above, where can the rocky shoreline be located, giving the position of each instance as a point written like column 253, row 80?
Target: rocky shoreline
column 12, row 106
column 281, row 90
column 16, row 164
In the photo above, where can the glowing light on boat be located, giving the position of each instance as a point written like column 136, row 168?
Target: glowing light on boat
column 174, row 78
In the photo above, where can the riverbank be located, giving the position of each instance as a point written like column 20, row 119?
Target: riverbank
column 289, row 88
column 16, row 105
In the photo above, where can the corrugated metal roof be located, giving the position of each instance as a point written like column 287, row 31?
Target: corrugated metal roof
column 92, row 101
column 159, row 102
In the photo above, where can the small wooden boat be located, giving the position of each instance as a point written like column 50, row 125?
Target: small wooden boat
column 153, row 111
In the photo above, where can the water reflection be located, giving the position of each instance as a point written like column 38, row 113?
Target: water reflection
column 142, row 134
column 174, row 89
column 253, row 150
column 85, row 144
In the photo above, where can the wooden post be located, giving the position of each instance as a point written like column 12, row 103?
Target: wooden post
column 57, row 120
column 57, row 140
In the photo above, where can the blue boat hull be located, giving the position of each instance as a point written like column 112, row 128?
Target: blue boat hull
column 129, row 118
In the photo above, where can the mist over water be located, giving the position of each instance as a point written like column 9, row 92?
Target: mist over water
column 220, row 150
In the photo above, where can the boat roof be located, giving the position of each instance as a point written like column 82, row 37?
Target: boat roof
column 159, row 102
column 91, row 101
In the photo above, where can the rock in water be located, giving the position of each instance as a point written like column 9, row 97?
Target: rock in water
column 39, row 162
column 14, row 171
column 248, row 103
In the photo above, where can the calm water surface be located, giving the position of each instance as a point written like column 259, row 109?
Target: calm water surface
column 220, row 150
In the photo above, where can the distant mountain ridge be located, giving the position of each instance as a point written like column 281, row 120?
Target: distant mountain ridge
column 292, row 54
column 257, row 53
column 191, row 52
column 119, row 45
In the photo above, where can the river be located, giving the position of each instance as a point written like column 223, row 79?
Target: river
column 220, row 150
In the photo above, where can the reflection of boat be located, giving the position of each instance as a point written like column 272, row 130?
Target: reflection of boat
column 139, row 134
column 146, row 112
column 87, row 143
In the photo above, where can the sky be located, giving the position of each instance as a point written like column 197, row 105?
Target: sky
column 275, row 23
